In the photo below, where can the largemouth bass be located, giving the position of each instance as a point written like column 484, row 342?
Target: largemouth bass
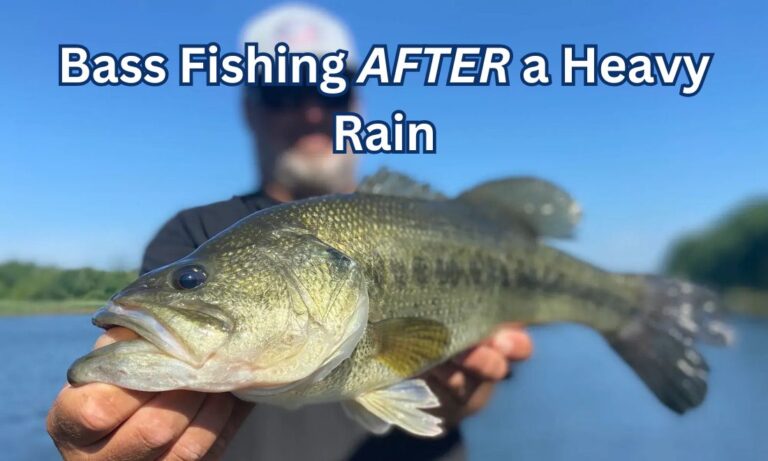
column 351, row 297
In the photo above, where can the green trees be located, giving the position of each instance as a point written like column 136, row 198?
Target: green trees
column 27, row 281
column 733, row 253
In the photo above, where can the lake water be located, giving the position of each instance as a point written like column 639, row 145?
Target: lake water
column 575, row 400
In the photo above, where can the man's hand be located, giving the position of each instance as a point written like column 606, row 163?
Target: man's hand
column 104, row 422
column 464, row 385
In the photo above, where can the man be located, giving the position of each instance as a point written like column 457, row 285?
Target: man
column 292, row 129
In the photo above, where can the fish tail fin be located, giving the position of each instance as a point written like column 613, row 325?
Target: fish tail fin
column 658, row 342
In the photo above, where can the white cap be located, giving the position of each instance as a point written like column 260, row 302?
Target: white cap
column 304, row 28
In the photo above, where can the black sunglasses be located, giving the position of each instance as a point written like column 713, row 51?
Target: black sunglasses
column 293, row 97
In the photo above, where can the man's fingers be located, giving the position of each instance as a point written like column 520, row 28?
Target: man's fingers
column 457, row 402
column 450, row 407
column 201, row 434
column 485, row 362
column 478, row 398
column 82, row 415
column 451, row 378
column 240, row 411
column 153, row 428
column 513, row 342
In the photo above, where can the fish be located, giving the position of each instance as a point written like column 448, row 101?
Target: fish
column 351, row 298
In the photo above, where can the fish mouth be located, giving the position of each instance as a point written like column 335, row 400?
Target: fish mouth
column 144, row 324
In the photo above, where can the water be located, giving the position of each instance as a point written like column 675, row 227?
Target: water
column 575, row 400
column 36, row 354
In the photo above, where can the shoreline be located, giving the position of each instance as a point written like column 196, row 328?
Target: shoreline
column 8, row 315
column 27, row 308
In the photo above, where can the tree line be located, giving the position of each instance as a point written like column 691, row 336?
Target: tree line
column 731, row 254
column 29, row 281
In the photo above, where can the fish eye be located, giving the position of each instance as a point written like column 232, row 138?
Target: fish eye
column 189, row 277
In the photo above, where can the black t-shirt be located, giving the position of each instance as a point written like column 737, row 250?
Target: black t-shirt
column 315, row 432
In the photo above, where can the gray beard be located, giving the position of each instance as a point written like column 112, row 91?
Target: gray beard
column 307, row 176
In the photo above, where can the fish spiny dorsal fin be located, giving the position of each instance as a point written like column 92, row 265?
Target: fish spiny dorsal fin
column 401, row 405
column 542, row 206
column 408, row 345
column 387, row 182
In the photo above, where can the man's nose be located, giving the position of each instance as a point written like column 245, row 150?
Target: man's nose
column 314, row 114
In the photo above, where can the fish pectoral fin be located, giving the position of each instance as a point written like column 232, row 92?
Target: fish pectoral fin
column 400, row 405
column 409, row 345
column 546, row 209
column 387, row 182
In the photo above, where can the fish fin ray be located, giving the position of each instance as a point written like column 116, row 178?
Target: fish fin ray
column 546, row 209
column 392, row 183
column 658, row 342
column 409, row 345
column 401, row 405
column 372, row 423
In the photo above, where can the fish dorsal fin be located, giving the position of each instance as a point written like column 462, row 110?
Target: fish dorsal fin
column 545, row 208
column 408, row 345
column 401, row 405
column 387, row 182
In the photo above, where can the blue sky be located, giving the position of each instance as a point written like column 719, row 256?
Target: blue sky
column 88, row 174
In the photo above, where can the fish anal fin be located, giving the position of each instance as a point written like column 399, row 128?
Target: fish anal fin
column 401, row 405
column 409, row 345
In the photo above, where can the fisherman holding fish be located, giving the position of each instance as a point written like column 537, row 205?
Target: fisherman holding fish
column 291, row 128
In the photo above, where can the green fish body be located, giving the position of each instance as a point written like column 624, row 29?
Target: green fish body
column 362, row 293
